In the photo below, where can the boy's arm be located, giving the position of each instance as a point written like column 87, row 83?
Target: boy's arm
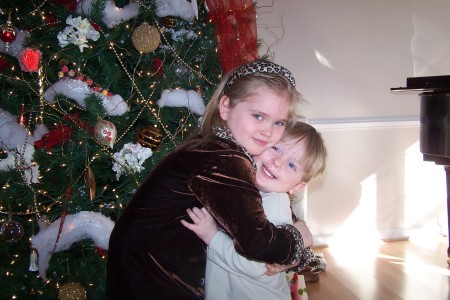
column 221, row 252
column 221, row 248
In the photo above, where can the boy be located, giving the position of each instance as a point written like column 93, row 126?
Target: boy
column 284, row 169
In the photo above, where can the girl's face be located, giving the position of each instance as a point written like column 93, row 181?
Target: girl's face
column 279, row 168
column 258, row 121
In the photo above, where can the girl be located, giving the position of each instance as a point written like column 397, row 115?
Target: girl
column 284, row 169
column 151, row 254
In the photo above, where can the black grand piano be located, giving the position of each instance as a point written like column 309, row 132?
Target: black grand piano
column 434, row 92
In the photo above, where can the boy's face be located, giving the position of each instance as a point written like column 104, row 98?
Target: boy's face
column 279, row 168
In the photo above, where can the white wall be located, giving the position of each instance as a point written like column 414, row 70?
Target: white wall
column 346, row 55
column 376, row 184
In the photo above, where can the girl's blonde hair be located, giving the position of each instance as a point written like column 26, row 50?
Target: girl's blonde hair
column 242, row 82
column 315, row 154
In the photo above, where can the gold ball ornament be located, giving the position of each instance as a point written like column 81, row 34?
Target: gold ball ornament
column 150, row 137
column 105, row 133
column 72, row 291
column 146, row 38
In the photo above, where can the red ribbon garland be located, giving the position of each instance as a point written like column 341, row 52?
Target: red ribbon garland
column 235, row 27
column 58, row 135
column 61, row 133
column 63, row 218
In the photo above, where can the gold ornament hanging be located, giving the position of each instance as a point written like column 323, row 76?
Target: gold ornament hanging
column 146, row 38
column 150, row 137
column 90, row 182
column 72, row 291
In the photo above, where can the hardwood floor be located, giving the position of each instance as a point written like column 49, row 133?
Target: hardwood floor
column 412, row 269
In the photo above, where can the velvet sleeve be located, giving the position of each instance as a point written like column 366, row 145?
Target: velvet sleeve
column 226, row 189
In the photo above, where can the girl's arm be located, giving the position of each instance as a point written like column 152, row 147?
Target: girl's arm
column 226, row 188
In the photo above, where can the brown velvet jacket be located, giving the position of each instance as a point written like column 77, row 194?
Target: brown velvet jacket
column 153, row 256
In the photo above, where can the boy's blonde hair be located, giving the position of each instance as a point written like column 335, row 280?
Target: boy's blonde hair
column 239, row 85
column 315, row 155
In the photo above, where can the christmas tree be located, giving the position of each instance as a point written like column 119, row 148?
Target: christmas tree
column 94, row 94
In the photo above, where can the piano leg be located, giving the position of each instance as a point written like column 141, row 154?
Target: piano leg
column 447, row 173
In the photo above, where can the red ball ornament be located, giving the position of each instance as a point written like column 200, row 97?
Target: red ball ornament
column 8, row 33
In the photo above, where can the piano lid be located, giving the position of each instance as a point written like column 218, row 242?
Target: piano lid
column 434, row 116
column 429, row 83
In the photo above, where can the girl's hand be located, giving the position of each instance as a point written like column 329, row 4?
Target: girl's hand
column 204, row 225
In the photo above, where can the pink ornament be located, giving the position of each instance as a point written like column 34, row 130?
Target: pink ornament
column 105, row 133
column 65, row 69
column 29, row 59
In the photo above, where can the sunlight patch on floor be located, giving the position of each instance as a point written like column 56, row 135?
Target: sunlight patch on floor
column 412, row 267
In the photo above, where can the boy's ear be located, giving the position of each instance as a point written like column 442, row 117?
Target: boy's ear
column 298, row 187
column 224, row 107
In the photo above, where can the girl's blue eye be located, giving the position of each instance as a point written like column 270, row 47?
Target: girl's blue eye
column 279, row 123
column 258, row 117
column 292, row 166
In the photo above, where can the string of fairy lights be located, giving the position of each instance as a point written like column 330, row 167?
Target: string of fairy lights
column 44, row 200
column 148, row 103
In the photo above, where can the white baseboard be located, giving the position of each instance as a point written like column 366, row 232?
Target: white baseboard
column 324, row 240
column 366, row 122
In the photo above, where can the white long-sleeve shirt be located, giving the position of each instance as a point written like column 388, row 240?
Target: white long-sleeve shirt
column 230, row 276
